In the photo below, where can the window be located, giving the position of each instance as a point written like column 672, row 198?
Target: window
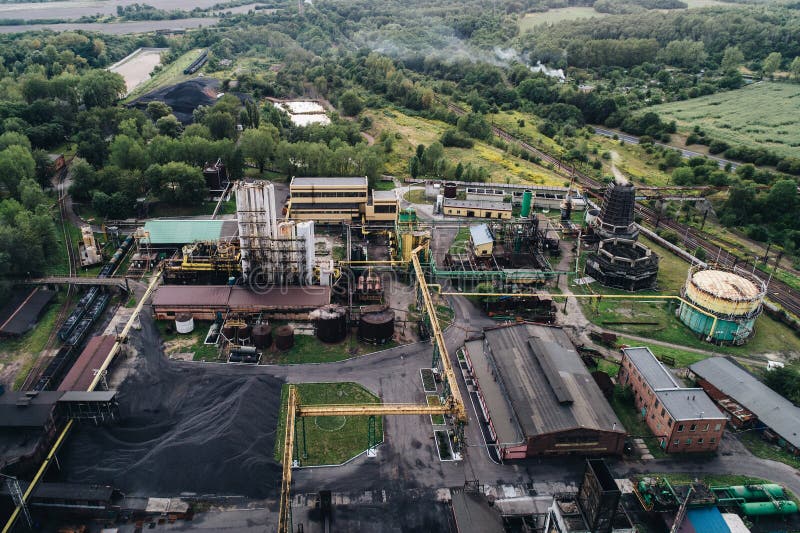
column 699, row 441
column 677, row 441
column 713, row 439
column 669, row 422
column 717, row 427
column 653, row 416
column 705, row 428
column 662, row 411
column 688, row 441
column 656, row 404
column 680, row 427
column 693, row 427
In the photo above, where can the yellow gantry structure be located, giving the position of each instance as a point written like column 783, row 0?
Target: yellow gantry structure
column 453, row 404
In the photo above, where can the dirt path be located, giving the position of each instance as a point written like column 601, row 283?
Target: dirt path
column 370, row 139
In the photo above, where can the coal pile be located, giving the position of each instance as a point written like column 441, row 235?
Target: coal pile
column 184, row 428
column 184, row 97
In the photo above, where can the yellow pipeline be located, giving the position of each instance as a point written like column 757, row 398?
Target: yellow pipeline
column 284, row 514
column 372, row 409
column 599, row 296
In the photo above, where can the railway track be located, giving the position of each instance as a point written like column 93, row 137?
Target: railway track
column 777, row 291
column 42, row 362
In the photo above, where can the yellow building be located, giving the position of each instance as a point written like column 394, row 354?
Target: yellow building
column 482, row 240
column 339, row 200
column 476, row 209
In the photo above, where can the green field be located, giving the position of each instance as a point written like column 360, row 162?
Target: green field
column 683, row 358
column 761, row 448
column 765, row 115
column 309, row 349
column 168, row 75
column 552, row 16
column 331, row 440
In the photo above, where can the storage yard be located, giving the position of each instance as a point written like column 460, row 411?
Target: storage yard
column 427, row 355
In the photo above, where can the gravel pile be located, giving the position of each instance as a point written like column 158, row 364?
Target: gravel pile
column 184, row 97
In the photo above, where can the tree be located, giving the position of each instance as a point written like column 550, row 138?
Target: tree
column 413, row 166
column 475, row 125
column 731, row 58
column 686, row 54
column 683, row 176
column 177, row 183
column 84, row 180
column 351, row 103
column 157, row 109
column 127, row 153
column 771, row 64
column 16, row 164
column 169, row 126
column 258, row 145
column 794, row 68
column 13, row 138
column 31, row 194
column 101, row 88
column 197, row 130
column 220, row 124
column 782, row 198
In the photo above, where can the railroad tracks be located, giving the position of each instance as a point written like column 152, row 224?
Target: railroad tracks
column 777, row 291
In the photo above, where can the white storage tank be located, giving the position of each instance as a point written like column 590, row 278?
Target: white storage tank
column 184, row 323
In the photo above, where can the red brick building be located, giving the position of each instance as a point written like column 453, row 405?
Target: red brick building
column 683, row 419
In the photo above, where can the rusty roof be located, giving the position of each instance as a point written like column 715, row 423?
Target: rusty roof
column 81, row 374
column 240, row 298
column 726, row 285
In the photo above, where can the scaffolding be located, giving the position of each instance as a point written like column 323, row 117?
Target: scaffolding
column 616, row 216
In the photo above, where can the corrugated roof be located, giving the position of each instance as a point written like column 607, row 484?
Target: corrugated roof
column 184, row 231
column 651, row 368
column 771, row 408
column 533, row 399
column 222, row 297
column 473, row 515
column 475, row 204
column 689, row 404
column 480, row 234
column 186, row 295
column 305, row 181
column 726, row 284
column 19, row 409
column 81, row 374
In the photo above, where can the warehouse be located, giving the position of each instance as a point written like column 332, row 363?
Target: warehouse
column 459, row 208
column 538, row 397
column 683, row 419
column 748, row 402
column 170, row 233
column 203, row 302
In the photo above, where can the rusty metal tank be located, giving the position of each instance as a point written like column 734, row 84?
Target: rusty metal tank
column 330, row 322
column 284, row 337
column 262, row 335
column 243, row 333
column 450, row 190
column 376, row 324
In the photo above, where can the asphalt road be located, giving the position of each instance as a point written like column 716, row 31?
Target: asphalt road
column 632, row 139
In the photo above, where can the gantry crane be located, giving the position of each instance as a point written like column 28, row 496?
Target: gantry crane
column 453, row 404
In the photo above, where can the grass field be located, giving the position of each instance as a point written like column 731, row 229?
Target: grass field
column 413, row 131
column 309, row 349
column 187, row 342
column 632, row 420
column 683, row 358
column 552, row 16
column 761, row 448
column 331, row 440
column 433, row 399
column 168, row 75
column 765, row 114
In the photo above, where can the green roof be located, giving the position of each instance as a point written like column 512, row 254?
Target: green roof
column 183, row 231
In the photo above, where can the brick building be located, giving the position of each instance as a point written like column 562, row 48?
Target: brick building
column 683, row 419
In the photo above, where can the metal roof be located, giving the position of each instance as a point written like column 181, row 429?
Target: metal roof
column 518, row 352
column 778, row 413
column 689, row 404
column 220, row 297
column 651, row 369
column 81, row 374
column 475, row 204
column 725, row 284
column 21, row 409
column 184, row 231
column 473, row 515
column 84, row 396
column 481, row 235
column 304, row 181
column 384, row 196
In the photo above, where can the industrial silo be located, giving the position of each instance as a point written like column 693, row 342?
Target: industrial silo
column 527, row 202
column 376, row 324
column 722, row 305
column 184, row 323
column 450, row 190
column 284, row 337
column 330, row 322
column 262, row 336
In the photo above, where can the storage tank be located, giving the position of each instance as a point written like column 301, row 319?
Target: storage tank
column 330, row 322
column 284, row 337
column 450, row 190
column 262, row 336
column 228, row 331
column 757, row 492
column 724, row 304
column 243, row 333
column 591, row 216
column 376, row 324
column 527, row 201
column 781, row 507
column 184, row 323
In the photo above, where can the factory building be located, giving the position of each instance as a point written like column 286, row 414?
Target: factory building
column 481, row 240
column 171, row 234
column 473, row 209
column 330, row 200
column 623, row 264
column 748, row 402
column 543, row 196
column 683, row 419
column 537, row 396
column 721, row 305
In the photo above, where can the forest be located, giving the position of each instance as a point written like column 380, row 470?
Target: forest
column 413, row 56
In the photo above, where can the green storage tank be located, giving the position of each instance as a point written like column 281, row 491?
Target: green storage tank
column 782, row 507
column 527, row 200
column 757, row 492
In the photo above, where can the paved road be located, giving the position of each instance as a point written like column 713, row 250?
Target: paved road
column 632, row 139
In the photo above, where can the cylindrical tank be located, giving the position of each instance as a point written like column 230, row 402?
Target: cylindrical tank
column 757, row 492
column 228, row 331
column 184, row 323
column 527, row 200
column 376, row 324
column 243, row 332
column 591, row 216
column 450, row 190
column 330, row 322
column 284, row 337
column 235, row 358
column 262, row 335
column 781, row 507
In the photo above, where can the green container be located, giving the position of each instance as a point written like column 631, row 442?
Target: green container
column 757, row 492
column 783, row 507
column 726, row 330
column 527, row 200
